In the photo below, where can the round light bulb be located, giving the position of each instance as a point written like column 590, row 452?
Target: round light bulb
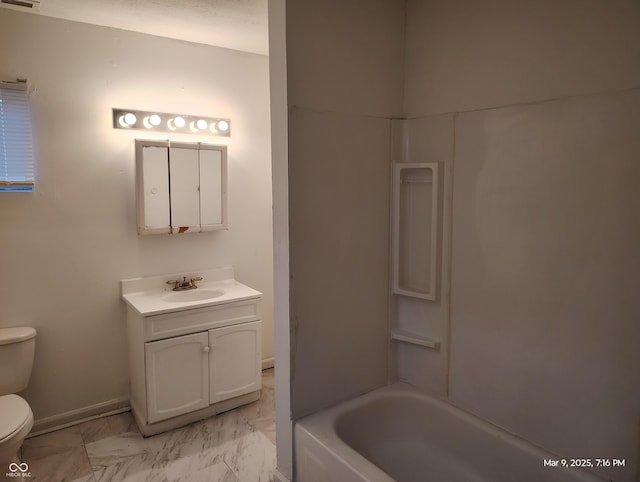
column 179, row 122
column 171, row 125
column 202, row 124
column 130, row 119
column 222, row 126
column 122, row 122
column 155, row 120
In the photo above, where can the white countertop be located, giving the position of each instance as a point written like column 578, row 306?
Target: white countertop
column 151, row 296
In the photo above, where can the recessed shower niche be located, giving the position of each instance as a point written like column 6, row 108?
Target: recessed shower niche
column 415, row 229
column 181, row 187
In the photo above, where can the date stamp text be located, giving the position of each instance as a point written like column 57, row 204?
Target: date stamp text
column 588, row 463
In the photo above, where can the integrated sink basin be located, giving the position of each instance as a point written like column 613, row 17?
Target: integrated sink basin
column 217, row 286
column 191, row 295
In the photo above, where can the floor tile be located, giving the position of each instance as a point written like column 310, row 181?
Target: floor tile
column 106, row 427
column 268, row 428
column 70, row 465
column 136, row 468
column 51, row 443
column 261, row 414
column 268, row 378
column 120, row 448
column 16, row 458
column 181, row 471
column 253, row 458
column 235, row 446
column 193, row 442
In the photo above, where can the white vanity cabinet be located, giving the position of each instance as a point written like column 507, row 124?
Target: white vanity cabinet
column 190, row 364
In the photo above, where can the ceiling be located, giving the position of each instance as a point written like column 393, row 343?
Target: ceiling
column 233, row 24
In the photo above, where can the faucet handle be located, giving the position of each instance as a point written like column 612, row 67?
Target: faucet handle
column 174, row 282
column 193, row 281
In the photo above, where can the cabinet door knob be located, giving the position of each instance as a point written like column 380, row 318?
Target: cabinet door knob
column 206, row 349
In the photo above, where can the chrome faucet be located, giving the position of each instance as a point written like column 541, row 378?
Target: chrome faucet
column 184, row 284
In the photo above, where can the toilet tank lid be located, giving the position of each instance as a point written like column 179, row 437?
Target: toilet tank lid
column 16, row 334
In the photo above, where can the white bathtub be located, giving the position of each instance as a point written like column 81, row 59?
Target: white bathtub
column 397, row 433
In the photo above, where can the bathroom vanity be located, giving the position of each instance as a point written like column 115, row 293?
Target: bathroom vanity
column 192, row 353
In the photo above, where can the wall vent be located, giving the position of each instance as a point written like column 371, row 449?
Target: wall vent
column 21, row 4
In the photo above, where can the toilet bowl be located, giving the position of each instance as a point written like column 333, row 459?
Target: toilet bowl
column 16, row 421
column 17, row 347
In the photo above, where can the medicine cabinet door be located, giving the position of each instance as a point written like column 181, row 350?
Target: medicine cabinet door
column 153, row 189
column 184, row 185
column 213, row 168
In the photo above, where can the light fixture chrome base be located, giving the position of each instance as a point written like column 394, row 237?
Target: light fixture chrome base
column 175, row 123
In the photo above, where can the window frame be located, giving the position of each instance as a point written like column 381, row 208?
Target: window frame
column 17, row 163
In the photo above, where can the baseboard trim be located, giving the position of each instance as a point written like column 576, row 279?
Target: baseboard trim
column 79, row 415
column 268, row 363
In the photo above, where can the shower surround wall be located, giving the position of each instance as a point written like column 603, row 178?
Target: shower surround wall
column 426, row 140
column 533, row 111
column 535, row 108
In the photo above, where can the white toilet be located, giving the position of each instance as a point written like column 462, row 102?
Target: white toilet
column 17, row 346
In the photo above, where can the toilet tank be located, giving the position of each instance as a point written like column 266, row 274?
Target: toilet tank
column 17, row 346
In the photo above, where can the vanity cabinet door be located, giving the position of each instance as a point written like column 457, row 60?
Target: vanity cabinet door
column 177, row 373
column 235, row 360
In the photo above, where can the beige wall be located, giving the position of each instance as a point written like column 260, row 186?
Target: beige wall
column 66, row 246
column 344, row 76
column 346, row 57
column 463, row 55
column 541, row 100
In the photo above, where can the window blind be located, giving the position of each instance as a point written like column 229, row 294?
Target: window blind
column 16, row 150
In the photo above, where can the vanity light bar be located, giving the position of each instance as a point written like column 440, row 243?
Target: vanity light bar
column 176, row 123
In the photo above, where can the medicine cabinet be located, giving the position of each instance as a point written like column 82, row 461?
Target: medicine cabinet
column 415, row 229
column 181, row 187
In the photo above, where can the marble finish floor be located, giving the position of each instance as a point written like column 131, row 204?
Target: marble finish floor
column 235, row 446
